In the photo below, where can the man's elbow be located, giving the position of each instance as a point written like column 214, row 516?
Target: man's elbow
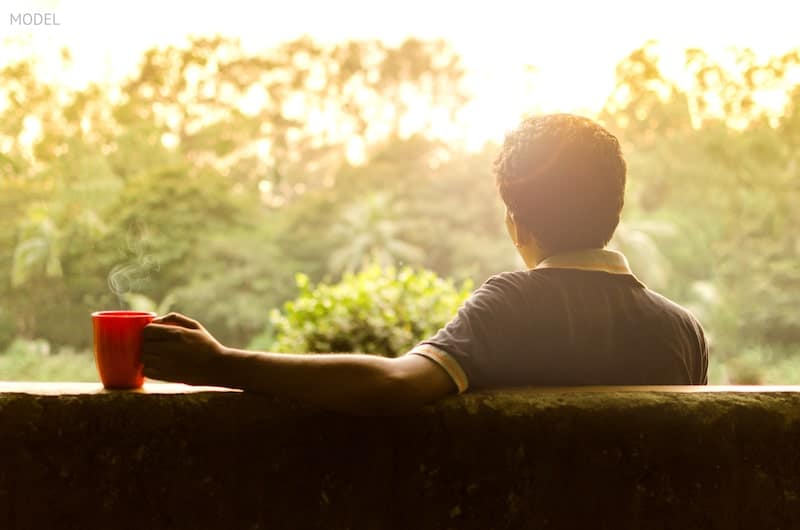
column 396, row 393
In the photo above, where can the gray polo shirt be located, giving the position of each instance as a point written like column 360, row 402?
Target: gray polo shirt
column 581, row 318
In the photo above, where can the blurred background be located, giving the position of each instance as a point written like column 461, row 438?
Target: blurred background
column 314, row 176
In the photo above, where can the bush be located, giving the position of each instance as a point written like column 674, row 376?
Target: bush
column 378, row 311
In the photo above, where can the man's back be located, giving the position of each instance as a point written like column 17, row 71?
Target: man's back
column 582, row 319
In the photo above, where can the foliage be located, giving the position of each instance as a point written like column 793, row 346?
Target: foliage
column 7, row 329
column 26, row 360
column 370, row 230
column 212, row 176
column 234, row 279
column 382, row 311
column 171, row 192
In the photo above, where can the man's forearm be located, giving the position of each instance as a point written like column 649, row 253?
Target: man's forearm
column 350, row 383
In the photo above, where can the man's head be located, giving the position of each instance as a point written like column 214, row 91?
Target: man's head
column 562, row 178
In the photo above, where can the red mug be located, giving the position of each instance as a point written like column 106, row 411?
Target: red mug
column 118, row 347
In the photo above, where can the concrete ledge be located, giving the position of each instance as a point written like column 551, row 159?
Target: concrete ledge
column 74, row 456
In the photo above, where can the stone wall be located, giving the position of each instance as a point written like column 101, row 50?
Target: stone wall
column 75, row 457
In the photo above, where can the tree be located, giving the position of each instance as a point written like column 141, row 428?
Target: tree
column 288, row 114
column 103, row 198
column 371, row 230
column 645, row 105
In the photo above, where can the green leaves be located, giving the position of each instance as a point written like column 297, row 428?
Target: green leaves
column 372, row 229
column 38, row 252
column 382, row 311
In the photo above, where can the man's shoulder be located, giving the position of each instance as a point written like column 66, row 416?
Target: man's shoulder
column 674, row 308
column 687, row 326
column 555, row 278
column 499, row 287
column 524, row 277
column 507, row 278
column 511, row 283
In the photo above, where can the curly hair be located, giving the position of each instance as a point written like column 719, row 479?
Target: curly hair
column 562, row 177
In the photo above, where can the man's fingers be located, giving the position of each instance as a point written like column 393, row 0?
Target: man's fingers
column 151, row 353
column 154, row 331
column 159, row 349
column 178, row 320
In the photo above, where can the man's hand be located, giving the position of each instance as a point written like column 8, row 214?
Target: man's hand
column 177, row 348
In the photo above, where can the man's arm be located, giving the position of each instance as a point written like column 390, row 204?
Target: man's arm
column 352, row 383
column 176, row 348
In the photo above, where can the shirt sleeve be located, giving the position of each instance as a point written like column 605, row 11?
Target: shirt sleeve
column 702, row 371
column 463, row 348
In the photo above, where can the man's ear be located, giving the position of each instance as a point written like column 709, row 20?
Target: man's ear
column 523, row 238
column 518, row 234
column 511, row 227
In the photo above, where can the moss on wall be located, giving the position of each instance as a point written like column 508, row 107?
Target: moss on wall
column 527, row 459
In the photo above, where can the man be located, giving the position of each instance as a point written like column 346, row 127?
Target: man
column 577, row 316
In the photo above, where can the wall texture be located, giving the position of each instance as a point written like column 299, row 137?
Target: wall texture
column 593, row 458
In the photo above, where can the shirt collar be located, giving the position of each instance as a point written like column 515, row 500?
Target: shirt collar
column 594, row 259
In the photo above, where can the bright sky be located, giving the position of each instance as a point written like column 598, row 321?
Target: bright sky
column 573, row 45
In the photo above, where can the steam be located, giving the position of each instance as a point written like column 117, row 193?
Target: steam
column 132, row 274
